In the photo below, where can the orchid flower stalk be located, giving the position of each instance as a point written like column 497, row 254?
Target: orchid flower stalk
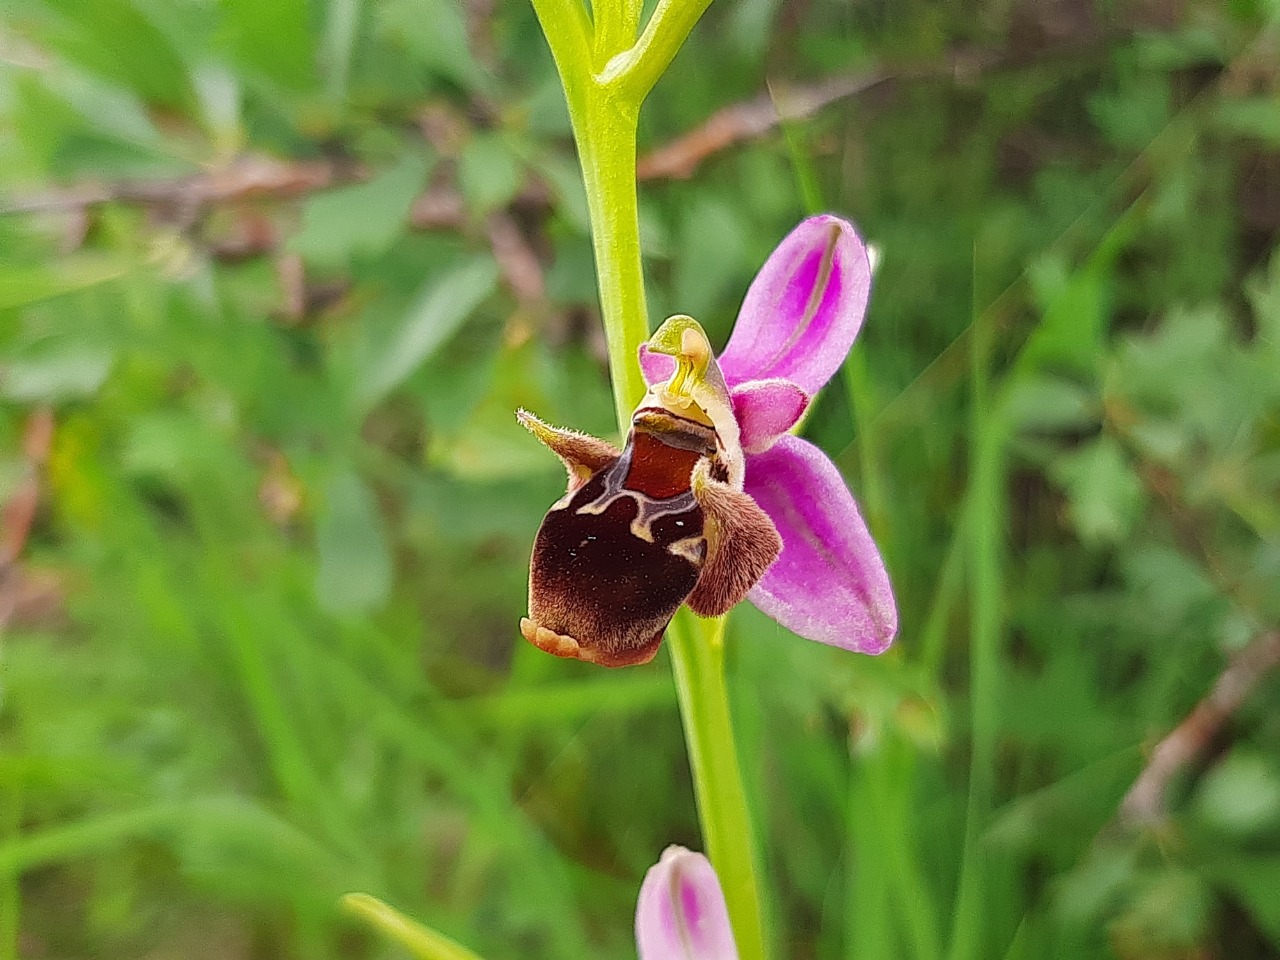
column 668, row 521
column 712, row 501
column 606, row 72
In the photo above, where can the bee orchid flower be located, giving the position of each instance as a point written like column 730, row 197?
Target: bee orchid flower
column 712, row 499
column 681, row 912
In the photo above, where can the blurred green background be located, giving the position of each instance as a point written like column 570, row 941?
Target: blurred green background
column 275, row 275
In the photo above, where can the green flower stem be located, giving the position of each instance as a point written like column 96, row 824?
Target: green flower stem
column 604, row 126
column 422, row 942
column 606, row 75
column 697, row 658
column 616, row 24
column 638, row 69
column 10, row 835
column 568, row 33
column 606, row 134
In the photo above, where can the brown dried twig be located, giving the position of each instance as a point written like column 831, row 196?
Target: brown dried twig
column 21, row 594
column 440, row 206
column 519, row 265
column 18, row 513
column 246, row 178
column 1145, row 802
column 680, row 158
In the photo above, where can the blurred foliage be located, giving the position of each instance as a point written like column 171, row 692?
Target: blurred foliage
column 282, row 271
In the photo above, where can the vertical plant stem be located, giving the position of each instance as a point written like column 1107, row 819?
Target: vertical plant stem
column 868, row 928
column 697, row 658
column 606, row 135
column 616, row 23
column 604, row 105
column 969, row 925
column 607, row 148
column 10, row 830
column 891, row 799
column 606, row 144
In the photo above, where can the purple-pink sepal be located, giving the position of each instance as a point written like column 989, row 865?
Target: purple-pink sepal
column 829, row 584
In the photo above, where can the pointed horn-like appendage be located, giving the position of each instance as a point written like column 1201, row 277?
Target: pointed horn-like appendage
column 742, row 543
column 583, row 455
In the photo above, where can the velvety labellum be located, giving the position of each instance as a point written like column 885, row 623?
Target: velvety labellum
column 614, row 560
column 623, row 549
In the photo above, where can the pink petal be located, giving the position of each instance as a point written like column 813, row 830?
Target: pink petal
column 829, row 584
column 681, row 913
column 766, row 409
column 656, row 367
column 804, row 308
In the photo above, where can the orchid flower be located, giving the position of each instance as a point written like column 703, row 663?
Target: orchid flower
column 681, row 912
column 712, row 499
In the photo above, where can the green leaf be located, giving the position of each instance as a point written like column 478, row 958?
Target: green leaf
column 1255, row 881
column 1076, row 303
column 1170, row 908
column 1092, row 888
column 565, row 182
column 421, row 941
column 1241, row 795
column 476, row 435
column 436, row 313
column 22, row 285
column 1264, row 295
column 489, row 173
column 434, row 32
column 273, row 39
column 1136, row 111
column 1168, row 587
column 355, row 564
column 750, row 25
column 1106, row 495
column 1073, row 311
column 63, row 370
column 338, row 45
column 1048, row 404
column 239, row 848
column 364, row 219
column 1255, row 117
column 713, row 254
column 111, row 111
column 164, row 445
column 1172, row 368
column 120, row 44
column 489, row 447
